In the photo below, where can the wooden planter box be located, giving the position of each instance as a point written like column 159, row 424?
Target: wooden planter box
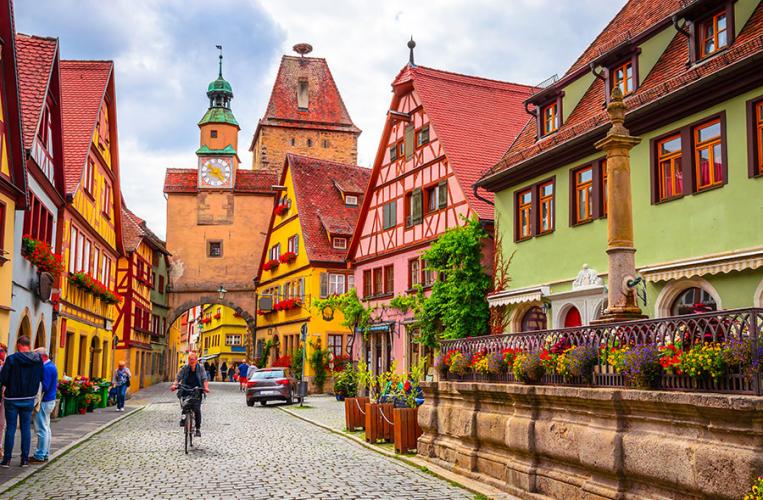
column 407, row 430
column 354, row 413
column 379, row 422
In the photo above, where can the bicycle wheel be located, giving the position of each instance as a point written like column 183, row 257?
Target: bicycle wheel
column 188, row 435
column 191, row 427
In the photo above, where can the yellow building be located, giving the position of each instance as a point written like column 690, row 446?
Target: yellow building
column 175, row 351
column 90, row 223
column 222, row 337
column 305, row 256
column 12, row 171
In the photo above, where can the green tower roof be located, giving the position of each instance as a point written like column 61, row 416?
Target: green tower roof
column 220, row 85
column 219, row 115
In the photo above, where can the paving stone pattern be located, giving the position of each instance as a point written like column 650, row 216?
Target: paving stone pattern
column 258, row 452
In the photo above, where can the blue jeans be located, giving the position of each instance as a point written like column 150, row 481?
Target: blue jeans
column 18, row 411
column 42, row 426
column 121, row 392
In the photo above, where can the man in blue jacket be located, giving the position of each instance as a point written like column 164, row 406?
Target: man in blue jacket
column 42, row 419
column 21, row 377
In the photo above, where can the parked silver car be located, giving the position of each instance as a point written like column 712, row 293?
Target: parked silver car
column 271, row 384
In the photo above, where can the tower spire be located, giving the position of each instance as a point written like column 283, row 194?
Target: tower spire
column 411, row 46
column 220, row 67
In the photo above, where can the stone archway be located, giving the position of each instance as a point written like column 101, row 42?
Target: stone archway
column 40, row 337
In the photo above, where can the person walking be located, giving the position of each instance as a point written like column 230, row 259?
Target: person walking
column 21, row 377
column 212, row 371
column 42, row 418
column 243, row 371
column 224, row 371
column 121, row 382
column 231, row 371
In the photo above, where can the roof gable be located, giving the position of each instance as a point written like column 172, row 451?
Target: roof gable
column 135, row 230
column 35, row 56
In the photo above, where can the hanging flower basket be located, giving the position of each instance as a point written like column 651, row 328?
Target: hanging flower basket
column 271, row 264
column 40, row 255
column 91, row 285
column 287, row 257
column 281, row 209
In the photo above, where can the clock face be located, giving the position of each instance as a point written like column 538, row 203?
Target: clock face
column 215, row 172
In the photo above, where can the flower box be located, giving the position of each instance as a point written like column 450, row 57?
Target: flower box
column 217, row 316
column 286, row 305
column 281, row 209
column 40, row 255
column 354, row 413
column 406, row 429
column 287, row 257
column 87, row 283
column 379, row 422
column 271, row 264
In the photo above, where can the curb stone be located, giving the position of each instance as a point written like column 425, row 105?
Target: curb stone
column 437, row 471
column 33, row 469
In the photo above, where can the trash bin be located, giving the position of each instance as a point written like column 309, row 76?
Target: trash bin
column 302, row 390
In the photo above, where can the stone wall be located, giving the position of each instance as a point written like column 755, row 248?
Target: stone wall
column 571, row 442
column 274, row 142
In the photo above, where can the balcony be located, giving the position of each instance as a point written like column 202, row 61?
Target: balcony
column 729, row 363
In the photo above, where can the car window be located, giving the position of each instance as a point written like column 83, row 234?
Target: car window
column 267, row 374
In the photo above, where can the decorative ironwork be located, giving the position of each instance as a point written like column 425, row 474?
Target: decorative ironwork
column 744, row 325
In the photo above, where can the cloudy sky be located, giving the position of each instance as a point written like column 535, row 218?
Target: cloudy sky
column 165, row 56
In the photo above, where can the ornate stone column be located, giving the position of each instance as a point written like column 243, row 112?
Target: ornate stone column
column 620, row 247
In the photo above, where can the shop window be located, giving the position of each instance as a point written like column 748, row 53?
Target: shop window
column 534, row 320
column 693, row 300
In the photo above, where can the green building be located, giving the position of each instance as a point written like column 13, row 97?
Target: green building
column 692, row 74
column 161, row 352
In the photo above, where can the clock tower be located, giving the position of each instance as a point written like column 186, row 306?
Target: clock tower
column 218, row 158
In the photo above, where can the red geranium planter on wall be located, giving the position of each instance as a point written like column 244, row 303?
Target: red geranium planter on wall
column 287, row 257
column 281, row 209
column 271, row 264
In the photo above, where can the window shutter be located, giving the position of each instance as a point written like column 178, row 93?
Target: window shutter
column 409, row 136
column 302, row 289
column 442, row 195
column 296, row 244
column 416, row 206
column 324, row 285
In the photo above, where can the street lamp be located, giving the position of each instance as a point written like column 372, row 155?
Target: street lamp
column 221, row 292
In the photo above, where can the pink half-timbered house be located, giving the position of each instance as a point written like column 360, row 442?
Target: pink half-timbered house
column 442, row 131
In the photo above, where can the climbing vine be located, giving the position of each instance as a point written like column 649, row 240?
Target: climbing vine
column 357, row 317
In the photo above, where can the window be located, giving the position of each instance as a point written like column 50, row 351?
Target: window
column 603, row 177
column 390, row 214
column 584, row 194
column 549, row 118
column 97, row 263
column 335, row 344
column 302, row 95
column 106, row 198
column 437, row 197
column 350, row 282
column 713, row 34
column 414, row 273
column 275, row 251
column 293, row 141
column 428, row 274
column 89, row 174
column 622, row 78
column 414, row 207
column 423, row 136
column 80, row 252
column 161, row 284
column 38, row 221
column 546, row 191
column 693, row 301
column 669, row 167
column 401, row 149
column 367, row 283
column 339, row 243
column 534, row 320
column 525, row 199
column 73, row 238
column 389, row 279
column 409, row 136
column 214, row 248
column 2, row 228
column 213, row 134
column 378, row 281
column 106, row 270
column 337, row 284
column 325, row 143
column 351, row 200
column 292, row 244
column 233, row 340
column 393, row 153
column 155, row 323
column 708, row 157
column 309, row 143
column 86, row 255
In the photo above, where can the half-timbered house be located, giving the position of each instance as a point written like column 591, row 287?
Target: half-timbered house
column 442, row 131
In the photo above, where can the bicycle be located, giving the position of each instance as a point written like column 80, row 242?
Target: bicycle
column 192, row 397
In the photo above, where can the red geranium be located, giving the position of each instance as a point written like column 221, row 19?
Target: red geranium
column 287, row 257
column 281, row 209
column 271, row 264
column 41, row 255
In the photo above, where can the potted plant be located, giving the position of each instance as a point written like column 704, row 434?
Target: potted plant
column 69, row 393
column 379, row 409
column 345, row 383
column 406, row 419
column 529, row 368
column 355, row 407
column 103, row 387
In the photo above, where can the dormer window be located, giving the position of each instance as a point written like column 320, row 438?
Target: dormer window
column 549, row 118
column 621, row 76
column 302, row 94
column 351, row 200
column 339, row 243
column 712, row 34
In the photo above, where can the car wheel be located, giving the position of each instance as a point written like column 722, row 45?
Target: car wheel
column 263, row 403
column 249, row 402
column 290, row 399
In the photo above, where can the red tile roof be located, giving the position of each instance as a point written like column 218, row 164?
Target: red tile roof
column 185, row 180
column 475, row 118
column 134, row 230
column 670, row 74
column 83, row 87
column 325, row 111
column 320, row 203
column 35, row 56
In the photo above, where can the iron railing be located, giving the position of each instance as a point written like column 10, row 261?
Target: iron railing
column 741, row 325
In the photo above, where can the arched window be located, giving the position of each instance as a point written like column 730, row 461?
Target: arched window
column 572, row 318
column 534, row 319
column 693, row 300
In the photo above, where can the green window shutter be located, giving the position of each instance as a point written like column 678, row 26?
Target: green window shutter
column 442, row 195
column 324, row 285
column 302, row 289
column 296, row 244
column 416, row 207
column 409, row 136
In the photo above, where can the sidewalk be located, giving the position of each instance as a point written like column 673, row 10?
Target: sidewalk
column 70, row 431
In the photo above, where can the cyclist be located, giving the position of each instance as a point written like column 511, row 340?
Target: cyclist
column 190, row 376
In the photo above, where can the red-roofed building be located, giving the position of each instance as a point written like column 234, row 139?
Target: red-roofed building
column 12, row 169
column 691, row 75
column 305, row 115
column 442, row 131
column 306, row 257
column 91, row 222
column 40, row 84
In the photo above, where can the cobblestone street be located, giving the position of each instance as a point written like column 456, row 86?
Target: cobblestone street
column 245, row 452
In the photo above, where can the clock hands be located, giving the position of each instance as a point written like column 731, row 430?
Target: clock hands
column 216, row 172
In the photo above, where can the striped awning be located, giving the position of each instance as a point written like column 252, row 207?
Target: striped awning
column 738, row 261
column 521, row 295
